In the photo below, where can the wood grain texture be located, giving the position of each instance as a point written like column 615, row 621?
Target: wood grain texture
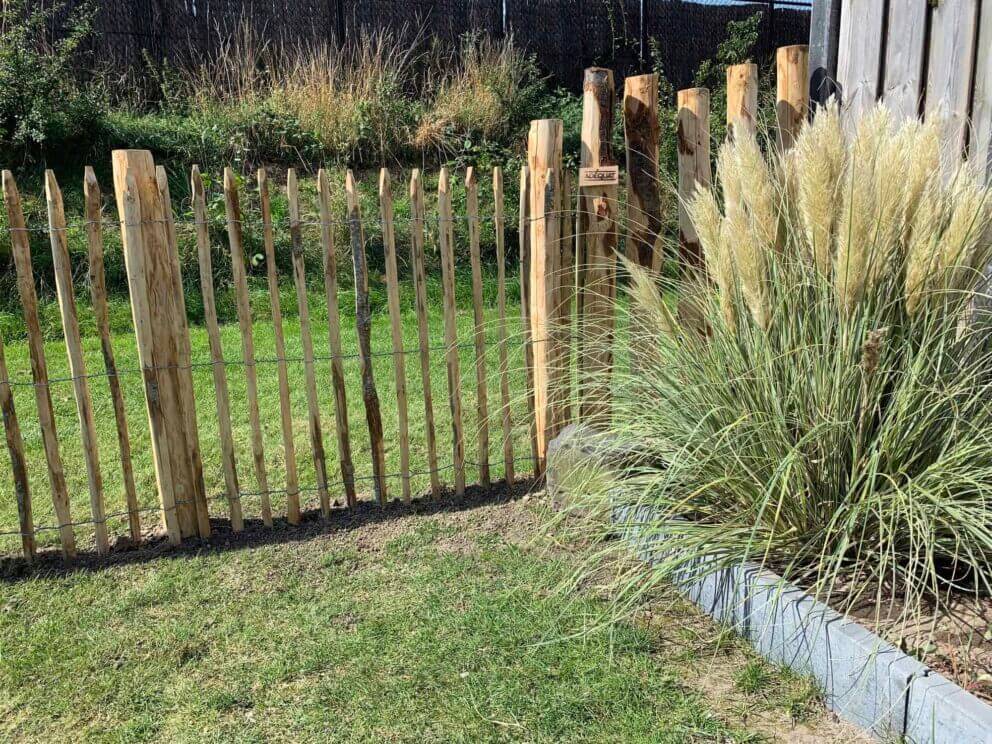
column 742, row 99
column 980, row 145
column 363, row 325
column 282, row 371
column 446, row 248
column 98, row 295
column 21, row 250
column 694, row 166
column 233, row 209
column 396, row 325
column 525, row 300
column 481, row 392
column 77, row 365
column 184, row 370
column 905, row 57
column 306, row 341
column 334, row 338
column 598, row 215
column 859, row 56
column 949, row 74
column 792, row 93
column 221, row 393
column 642, row 135
column 499, row 223
column 423, row 330
column 18, row 464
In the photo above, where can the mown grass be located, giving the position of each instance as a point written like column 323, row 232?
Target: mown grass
column 444, row 624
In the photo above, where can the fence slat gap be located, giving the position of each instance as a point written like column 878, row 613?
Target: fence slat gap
column 228, row 458
column 77, row 364
column 423, row 332
column 306, row 341
column 21, row 249
column 446, row 239
column 285, row 406
column 18, row 464
column 98, row 295
column 363, row 325
column 481, row 395
column 566, row 295
column 233, row 210
column 189, row 436
column 504, row 366
column 334, row 338
column 396, row 325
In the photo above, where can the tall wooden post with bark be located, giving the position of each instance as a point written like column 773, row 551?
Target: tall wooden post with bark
column 544, row 144
column 149, row 248
column 792, row 99
column 742, row 98
column 598, row 209
column 642, row 134
column 694, row 166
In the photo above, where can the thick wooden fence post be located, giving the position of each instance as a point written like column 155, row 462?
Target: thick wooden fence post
column 598, row 210
column 694, row 166
column 642, row 134
column 742, row 98
column 544, row 146
column 152, row 283
column 525, row 298
column 792, row 101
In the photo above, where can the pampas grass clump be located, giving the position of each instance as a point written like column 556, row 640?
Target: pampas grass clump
column 832, row 417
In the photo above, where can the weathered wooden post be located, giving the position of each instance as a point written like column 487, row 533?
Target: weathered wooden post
column 694, row 166
column 792, row 100
column 544, row 145
column 598, row 209
column 149, row 254
column 642, row 134
column 742, row 98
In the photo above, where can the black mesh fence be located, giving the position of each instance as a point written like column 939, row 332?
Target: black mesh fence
column 566, row 35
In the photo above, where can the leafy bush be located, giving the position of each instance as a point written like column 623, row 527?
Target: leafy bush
column 42, row 101
column 821, row 405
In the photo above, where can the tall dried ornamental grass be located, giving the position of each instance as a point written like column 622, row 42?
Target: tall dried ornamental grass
column 833, row 420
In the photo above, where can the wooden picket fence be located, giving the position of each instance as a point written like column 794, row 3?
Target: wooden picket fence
column 568, row 269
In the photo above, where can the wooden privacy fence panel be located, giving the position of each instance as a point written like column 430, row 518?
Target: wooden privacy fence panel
column 162, row 337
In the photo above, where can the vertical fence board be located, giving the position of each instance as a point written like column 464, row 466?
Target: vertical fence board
column 482, row 398
column 423, row 335
column 642, row 135
column 363, row 324
column 446, row 248
column 859, row 55
column 504, row 366
column 598, row 210
column 306, row 341
column 216, row 350
column 525, row 299
column 742, row 98
column 952, row 49
column 21, row 249
column 184, row 371
column 396, row 325
column 694, row 166
column 285, row 406
column 905, row 54
column 74, row 350
column 980, row 145
column 334, row 338
column 18, row 465
column 233, row 210
column 98, row 295
column 792, row 91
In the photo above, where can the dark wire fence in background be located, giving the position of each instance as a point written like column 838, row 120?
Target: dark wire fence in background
column 566, row 35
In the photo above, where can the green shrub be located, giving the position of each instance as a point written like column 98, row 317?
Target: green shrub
column 821, row 406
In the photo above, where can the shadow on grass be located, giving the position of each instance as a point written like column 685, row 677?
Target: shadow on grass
column 155, row 547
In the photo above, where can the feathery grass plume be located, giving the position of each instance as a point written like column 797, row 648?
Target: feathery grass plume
column 820, row 160
column 863, row 221
column 728, row 172
column 838, row 431
column 645, row 297
column 757, row 190
column 705, row 215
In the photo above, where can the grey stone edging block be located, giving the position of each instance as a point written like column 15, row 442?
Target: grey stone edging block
column 866, row 680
